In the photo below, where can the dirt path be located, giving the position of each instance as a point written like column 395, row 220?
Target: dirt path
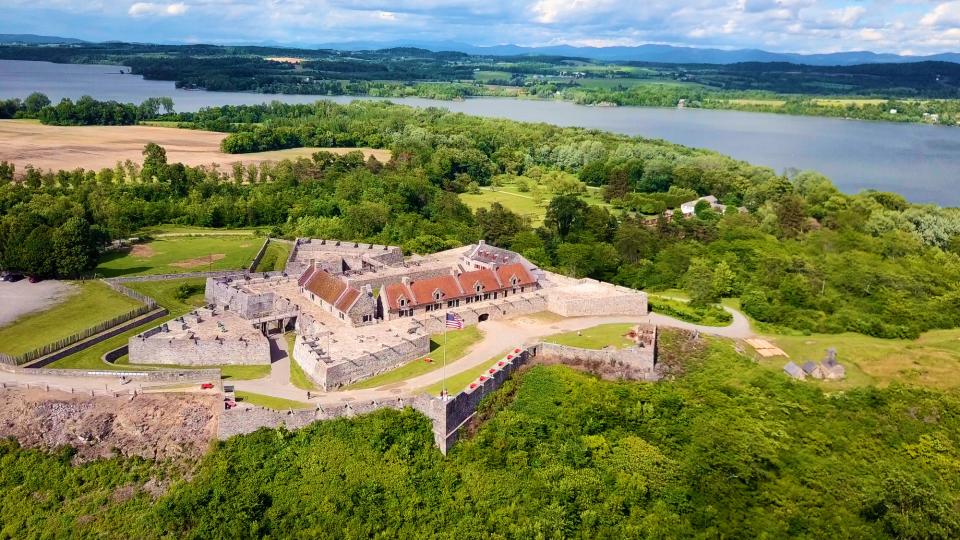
column 96, row 147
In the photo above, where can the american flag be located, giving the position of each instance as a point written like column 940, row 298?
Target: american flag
column 454, row 321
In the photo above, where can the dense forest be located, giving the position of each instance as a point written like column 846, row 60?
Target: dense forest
column 918, row 92
column 727, row 450
column 804, row 257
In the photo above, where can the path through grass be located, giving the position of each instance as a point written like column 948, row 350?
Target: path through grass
column 596, row 337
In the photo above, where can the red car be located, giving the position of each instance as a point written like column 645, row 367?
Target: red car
column 206, row 386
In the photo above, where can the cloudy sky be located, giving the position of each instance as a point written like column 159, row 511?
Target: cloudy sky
column 899, row 26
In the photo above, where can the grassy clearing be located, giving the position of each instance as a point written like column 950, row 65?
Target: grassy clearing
column 486, row 76
column 177, row 255
column 164, row 292
column 596, row 337
column 760, row 102
column 845, row 102
column 932, row 360
column 611, row 84
column 680, row 309
column 298, row 377
column 270, row 402
column 236, row 373
column 191, row 230
column 458, row 343
column 92, row 303
column 523, row 203
column 275, row 257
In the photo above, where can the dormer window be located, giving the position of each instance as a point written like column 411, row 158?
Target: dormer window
column 403, row 301
column 514, row 280
column 437, row 295
column 478, row 287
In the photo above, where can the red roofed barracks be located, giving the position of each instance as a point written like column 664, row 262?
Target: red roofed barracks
column 351, row 305
column 490, row 282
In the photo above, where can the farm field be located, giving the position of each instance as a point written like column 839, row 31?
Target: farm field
column 458, row 343
column 95, row 147
column 92, row 303
column 181, row 254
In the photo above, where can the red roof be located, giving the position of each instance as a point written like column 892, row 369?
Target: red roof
column 506, row 273
column 393, row 292
column 486, row 278
column 304, row 277
column 423, row 290
column 347, row 299
column 330, row 288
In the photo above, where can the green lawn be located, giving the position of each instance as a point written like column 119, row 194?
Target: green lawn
column 177, row 255
column 931, row 360
column 680, row 309
column 458, row 342
column 164, row 292
column 92, row 303
column 275, row 257
column 456, row 383
column 596, row 337
column 484, row 76
column 270, row 402
column 523, row 203
column 298, row 377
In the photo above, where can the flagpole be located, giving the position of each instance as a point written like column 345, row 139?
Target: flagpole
column 444, row 390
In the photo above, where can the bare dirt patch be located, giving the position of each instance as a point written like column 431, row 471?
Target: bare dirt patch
column 98, row 147
column 199, row 261
column 143, row 251
column 150, row 426
column 22, row 298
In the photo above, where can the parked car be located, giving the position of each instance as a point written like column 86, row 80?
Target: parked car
column 33, row 279
column 206, row 386
column 11, row 277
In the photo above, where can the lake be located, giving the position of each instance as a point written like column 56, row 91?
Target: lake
column 922, row 162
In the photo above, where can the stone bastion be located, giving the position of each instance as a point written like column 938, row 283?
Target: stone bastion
column 203, row 337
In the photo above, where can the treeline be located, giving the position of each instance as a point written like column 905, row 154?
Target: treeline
column 804, row 256
column 86, row 111
column 728, row 450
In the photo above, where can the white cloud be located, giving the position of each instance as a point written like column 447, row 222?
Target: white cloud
column 143, row 9
column 944, row 15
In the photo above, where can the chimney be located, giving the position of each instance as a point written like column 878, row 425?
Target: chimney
column 405, row 280
column 482, row 242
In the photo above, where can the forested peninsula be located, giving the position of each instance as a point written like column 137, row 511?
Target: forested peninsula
column 911, row 92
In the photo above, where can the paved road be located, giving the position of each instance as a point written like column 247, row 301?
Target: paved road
column 498, row 337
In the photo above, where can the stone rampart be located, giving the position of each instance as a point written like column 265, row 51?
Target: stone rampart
column 304, row 248
column 632, row 363
column 330, row 374
column 502, row 308
column 258, row 256
column 199, row 352
column 158, row 376
column 595, row 298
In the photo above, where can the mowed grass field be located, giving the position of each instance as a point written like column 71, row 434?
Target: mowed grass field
column 181, row 254
column 597, row 337
column 92, row 303
column 522, row 203
column 458, row 343
column 932, row 360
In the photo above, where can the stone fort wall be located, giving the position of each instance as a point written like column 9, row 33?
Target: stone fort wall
column 592, row 298
column 199, row 352
column 331, row 375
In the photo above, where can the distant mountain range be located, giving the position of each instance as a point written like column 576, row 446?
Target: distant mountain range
column 33, row 39
column 642, row 53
